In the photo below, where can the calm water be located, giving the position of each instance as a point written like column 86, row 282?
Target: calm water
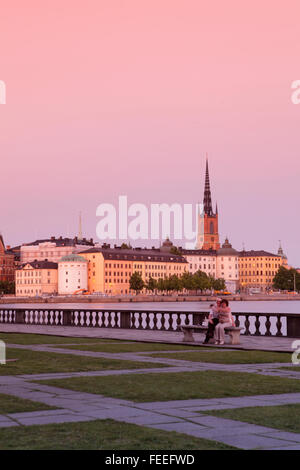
column 270, row 306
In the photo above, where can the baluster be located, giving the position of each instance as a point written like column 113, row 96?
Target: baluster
column 163, row 321
column 155, row 321
column 257, row 325
column 147, row 321
column 140, row 320
column 236, row 320
column 278, row 325
column 170, row 322
column 247, row 325
column 186, row 320
column 109, row 320
column 116, row 317
column 178, row 322
column 268, row 327
column 133, row 320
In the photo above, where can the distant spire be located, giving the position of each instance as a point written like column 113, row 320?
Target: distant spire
column 207, row 194
column 80, row 228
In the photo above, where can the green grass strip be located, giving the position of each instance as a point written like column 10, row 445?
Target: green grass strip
column 228, row 357
column 38, row 362
column 283, row 417
column 179, row 386
column 13, row 404
column 100, row 435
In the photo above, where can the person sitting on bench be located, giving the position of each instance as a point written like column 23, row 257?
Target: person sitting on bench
column 225, row 320
column 213, row 320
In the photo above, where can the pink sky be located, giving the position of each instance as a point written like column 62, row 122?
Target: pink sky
column 126, row 97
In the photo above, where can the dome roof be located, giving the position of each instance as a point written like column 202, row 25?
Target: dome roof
column 73, row 258
column 226, row 249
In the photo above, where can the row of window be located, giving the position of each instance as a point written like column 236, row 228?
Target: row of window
column 268, row 265
column 257, row 273
column 30, row 281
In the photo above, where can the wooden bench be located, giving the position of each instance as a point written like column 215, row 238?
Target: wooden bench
column 232, row 331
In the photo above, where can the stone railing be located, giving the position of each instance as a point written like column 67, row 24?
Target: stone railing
column 256, row 324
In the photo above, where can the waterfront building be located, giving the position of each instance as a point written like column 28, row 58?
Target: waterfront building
column 201, row 260
column 208, row 231
column 228, row 266
column 36, row 278
column 52, row 249
column 110, row 269
column 7, row 263
column 257, row 270
column 72, row 274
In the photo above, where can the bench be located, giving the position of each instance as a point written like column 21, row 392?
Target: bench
column 188, row 330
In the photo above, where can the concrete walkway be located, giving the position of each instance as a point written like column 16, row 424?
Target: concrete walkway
column 183, row 416
column 263, row 343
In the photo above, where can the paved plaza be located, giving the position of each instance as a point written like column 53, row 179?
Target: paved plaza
column 183, row 416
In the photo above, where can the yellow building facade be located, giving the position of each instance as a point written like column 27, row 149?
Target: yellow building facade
column 257, row 270
column 110, row 269
column 36, row 278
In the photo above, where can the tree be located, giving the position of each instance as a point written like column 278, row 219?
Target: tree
column 7, row 287
column 187, row 281
column 151, row 284
column 286, row 278
column 218, row 284
column 202, row 281
column 136, row 282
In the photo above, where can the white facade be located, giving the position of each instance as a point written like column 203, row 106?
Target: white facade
column 228, row 266
column 72, row 274
column 201, row 261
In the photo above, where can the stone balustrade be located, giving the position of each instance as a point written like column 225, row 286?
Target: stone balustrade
column 257, row 324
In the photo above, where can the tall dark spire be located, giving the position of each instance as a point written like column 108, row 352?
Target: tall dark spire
column 207, row 204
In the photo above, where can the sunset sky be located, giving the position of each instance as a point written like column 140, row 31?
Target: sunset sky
column 110, row 97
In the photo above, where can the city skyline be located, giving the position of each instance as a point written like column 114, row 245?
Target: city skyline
column 132, row 99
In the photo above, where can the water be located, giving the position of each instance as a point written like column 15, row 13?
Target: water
column 270, row 306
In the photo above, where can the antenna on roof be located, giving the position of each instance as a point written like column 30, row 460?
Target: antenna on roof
column 80, row 228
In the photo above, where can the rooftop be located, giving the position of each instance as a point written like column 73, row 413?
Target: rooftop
column 136, row 254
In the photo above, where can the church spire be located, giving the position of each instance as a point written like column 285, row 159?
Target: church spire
column 207, row 204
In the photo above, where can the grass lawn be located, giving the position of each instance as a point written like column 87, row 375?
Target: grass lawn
column 29, row 338
column 229, row 357
column 283, row 417
column 179, row 386
column 38, row 362
column 100, row 435
column 13, row 404
column 130, row 347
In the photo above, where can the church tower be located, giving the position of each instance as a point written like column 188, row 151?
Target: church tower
column 208, row 232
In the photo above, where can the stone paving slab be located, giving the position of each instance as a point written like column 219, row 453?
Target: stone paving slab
column 60, row 418
column 33, row 414
column 8, row 424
